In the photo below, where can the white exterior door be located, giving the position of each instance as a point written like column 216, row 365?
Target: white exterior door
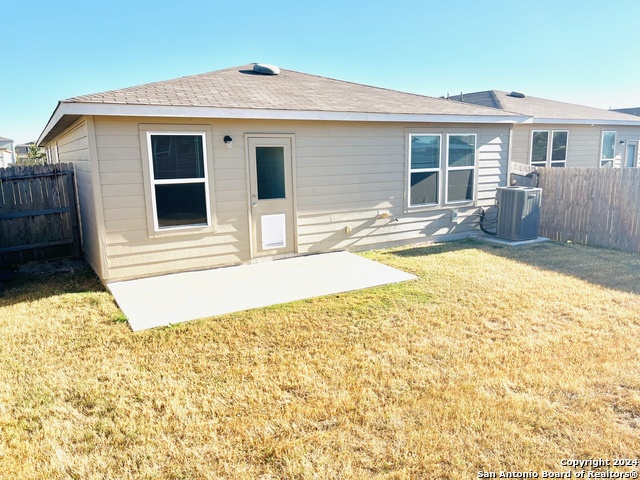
column 271, row 196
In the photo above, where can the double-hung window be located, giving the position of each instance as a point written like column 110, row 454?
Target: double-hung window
column 438, row 177
column 545, row 153
column 461, row 166
column 425, row 169
column 608, row 152
column 179, row 187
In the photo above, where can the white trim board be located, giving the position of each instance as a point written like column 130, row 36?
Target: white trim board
column 186, row 111
column 580, row 121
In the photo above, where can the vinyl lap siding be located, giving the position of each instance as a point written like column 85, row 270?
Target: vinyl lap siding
column 346, row 175
column 130, row 251
column 73, row 146
column 493, row 159
column 120, row 166
column 584, row 142
column 521, row 141
column 347, row 180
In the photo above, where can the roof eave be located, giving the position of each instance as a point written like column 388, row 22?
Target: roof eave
column 181, row 111
column 53, row 121
column 582, row 121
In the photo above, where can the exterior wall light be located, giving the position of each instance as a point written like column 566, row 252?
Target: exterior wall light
column 229, row 141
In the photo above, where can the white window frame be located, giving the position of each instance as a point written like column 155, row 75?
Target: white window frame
column 438, row 170
column 566, row 151
column 626, row 153
column 453, row 169
column 442, row 170
column 531, row 162
column 615, row 139
column 153, row 182
column 549, row 161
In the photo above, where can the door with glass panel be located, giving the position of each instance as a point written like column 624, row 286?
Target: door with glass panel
column 631, row 157
column 271, row 195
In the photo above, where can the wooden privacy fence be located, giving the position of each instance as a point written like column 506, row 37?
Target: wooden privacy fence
column 38, row 213
column 523, row 175
column 591, row 206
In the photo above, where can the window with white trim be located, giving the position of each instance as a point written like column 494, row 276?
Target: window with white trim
column 441, row 179
column 179, row 186
column 608, row 153
column 549, row 154
column 461, row 166
column 424, row 174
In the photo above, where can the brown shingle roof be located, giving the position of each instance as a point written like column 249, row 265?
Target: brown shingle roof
column 239, row 87
column 539, row 107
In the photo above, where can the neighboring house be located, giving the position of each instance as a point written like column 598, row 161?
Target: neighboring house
column 630, row 111
column 22, row 151
column 7, row 155
column 224, row 167
column 562, row 134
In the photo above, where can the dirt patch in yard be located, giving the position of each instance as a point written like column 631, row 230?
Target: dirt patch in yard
column 45, row 268
column 54, row 267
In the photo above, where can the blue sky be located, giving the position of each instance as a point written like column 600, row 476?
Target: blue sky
column 584, row 51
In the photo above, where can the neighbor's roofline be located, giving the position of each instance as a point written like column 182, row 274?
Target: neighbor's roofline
column 581, row 121
column 185, row 111
column 533, row 119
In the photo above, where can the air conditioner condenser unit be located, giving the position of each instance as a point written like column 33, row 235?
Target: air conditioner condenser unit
column 518, row 213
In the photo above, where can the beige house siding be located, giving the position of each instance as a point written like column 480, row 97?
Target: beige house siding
column 351, row 186
column 74, row 145
column 623, row 135
column 347, row 175
column 584, row 144
column 129, row 249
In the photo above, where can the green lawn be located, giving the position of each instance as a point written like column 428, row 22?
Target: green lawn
column 494, row 359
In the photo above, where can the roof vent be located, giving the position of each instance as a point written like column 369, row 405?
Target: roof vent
column 264, row 69
column 517, row 95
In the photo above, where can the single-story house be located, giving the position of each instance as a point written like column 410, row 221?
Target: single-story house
column 7, row 153
column 562, row 134
column 254, row 161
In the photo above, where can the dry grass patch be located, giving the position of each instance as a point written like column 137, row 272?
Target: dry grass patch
column 494, row 359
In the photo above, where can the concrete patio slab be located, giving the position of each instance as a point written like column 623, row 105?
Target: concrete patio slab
column 169, row 299
column 511, row 243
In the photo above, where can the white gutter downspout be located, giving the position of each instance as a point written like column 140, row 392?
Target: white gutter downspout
column 510, row 150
